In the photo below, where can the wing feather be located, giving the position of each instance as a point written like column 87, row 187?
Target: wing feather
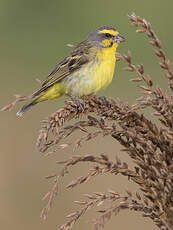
column 77, row 58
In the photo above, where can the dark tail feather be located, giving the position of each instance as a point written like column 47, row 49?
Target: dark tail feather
column 25, row 108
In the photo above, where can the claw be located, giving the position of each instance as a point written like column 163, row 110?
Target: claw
column 104, row 101
column 77, row 102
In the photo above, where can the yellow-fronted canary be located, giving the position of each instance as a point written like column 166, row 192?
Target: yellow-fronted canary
column 88, row 68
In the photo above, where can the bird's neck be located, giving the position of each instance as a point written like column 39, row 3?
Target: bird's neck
column 107, row 53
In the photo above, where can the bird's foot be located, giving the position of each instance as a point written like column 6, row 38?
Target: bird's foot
column 104, row 100
column 77, row 102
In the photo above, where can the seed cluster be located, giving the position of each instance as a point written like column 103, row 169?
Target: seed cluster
column 148, row 143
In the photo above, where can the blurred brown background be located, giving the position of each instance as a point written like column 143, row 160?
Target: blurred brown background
column 33, row 40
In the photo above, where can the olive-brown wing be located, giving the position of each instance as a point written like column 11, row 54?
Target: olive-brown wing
column 77, row 59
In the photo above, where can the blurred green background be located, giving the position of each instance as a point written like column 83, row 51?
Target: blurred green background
column 33, row 40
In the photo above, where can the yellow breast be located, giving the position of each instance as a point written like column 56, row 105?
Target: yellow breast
column 97, row 74
column 104, row 69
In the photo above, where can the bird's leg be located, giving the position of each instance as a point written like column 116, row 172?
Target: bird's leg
column 77, row 102
column 104, row 100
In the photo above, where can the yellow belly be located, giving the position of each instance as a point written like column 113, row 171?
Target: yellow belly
column 93, row 76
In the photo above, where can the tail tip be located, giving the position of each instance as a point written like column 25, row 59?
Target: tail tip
column 24, row 109
column 19, row 113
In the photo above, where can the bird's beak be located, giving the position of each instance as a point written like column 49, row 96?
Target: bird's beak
column 119, row 38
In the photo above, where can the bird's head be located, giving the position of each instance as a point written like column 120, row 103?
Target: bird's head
column 105, row 37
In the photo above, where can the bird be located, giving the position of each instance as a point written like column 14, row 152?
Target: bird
column 88, row 68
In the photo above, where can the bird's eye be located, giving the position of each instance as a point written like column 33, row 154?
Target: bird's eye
column 108, row 35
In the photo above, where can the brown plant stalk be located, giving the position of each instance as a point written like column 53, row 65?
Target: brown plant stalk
column 149, row 144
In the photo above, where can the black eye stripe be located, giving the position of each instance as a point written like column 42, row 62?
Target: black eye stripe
column 108, row 35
